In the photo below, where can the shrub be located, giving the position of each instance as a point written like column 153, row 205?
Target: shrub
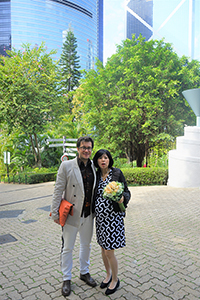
column 38, row 178
column 134, row 176
column 122, row 163
column 29, row 178
column 146, row 176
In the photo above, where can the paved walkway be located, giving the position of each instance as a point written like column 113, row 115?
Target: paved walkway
column 161, row 259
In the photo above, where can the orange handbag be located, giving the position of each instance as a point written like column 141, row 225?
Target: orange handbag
column 65, row 209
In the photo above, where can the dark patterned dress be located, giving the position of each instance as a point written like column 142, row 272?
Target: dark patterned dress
column 110, row 230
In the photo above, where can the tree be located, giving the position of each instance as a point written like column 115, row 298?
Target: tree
column 69, row 62
column 68, row 127
column 135, row 101
column 29, row 92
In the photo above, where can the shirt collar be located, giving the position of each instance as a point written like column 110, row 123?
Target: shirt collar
column 81, row 163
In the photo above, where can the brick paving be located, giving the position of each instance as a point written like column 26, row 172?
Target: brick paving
column 161, row 260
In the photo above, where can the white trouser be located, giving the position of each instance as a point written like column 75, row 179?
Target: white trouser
column 85, row 230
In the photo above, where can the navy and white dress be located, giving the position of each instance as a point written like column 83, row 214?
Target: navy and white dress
column 110, row 230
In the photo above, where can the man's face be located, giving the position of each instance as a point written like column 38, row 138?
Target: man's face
column 85, row 151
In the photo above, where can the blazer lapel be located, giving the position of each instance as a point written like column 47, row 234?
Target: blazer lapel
column 78, row 175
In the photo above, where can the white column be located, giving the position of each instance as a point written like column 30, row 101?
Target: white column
column 191, row 29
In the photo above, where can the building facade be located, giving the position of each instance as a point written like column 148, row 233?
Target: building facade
column 177, row 21
column 139, row 13
column 34, row 21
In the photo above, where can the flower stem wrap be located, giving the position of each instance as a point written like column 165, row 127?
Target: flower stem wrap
column 113, row 191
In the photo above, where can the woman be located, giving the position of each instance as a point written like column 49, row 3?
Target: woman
column 109, row 218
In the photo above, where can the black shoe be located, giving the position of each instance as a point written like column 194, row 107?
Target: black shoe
column 88, row 279
column 112, row 291
column 103, row 285
column 66, row 288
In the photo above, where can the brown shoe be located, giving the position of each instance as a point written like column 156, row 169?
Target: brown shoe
column 88, row 279
column 66, row 288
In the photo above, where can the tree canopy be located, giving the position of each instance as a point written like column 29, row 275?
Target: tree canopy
column 136, row 100
column 69, row 63
column 29, row 92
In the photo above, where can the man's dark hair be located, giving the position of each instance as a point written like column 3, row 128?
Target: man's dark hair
column 99, row 153
column 84, row 139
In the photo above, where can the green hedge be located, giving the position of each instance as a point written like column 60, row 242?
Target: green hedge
column 134, row 176
column 146, row 176
column 29, row 178
column 38, row 178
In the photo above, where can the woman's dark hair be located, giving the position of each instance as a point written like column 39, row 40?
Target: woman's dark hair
column 98, row 154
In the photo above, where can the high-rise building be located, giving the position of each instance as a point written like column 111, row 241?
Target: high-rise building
column 139, row 13
column 177, row 21
column 34, row 21
column 100, row 30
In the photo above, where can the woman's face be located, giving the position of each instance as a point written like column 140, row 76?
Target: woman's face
column 103, row 162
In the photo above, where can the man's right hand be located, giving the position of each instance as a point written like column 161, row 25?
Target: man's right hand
column 57, row 221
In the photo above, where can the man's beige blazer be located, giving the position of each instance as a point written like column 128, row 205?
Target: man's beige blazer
column 69, row 185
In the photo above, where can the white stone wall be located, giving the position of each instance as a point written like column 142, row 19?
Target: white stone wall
column 184, row 162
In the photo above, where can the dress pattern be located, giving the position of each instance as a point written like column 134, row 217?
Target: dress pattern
column 110, row 230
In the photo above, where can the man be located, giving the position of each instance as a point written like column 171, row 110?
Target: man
column 76, row 178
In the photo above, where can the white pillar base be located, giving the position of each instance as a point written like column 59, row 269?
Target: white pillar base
column 184, row 162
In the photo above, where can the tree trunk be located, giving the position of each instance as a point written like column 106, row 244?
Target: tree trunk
column 140, row 155
column 146, row 152
column 33, row 147
column 39, row 161
column 129, row 152
column 139, row 161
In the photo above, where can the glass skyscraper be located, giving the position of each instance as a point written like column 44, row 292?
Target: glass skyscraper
column 34, row 21
column 139, row 13
column 177, row 21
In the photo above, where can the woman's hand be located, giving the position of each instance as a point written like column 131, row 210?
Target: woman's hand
column 121, row 200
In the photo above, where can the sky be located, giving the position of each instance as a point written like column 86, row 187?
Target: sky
column 114, row 26
column 173, row 15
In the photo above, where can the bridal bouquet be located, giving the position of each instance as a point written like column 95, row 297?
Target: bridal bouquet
column 113, row 191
